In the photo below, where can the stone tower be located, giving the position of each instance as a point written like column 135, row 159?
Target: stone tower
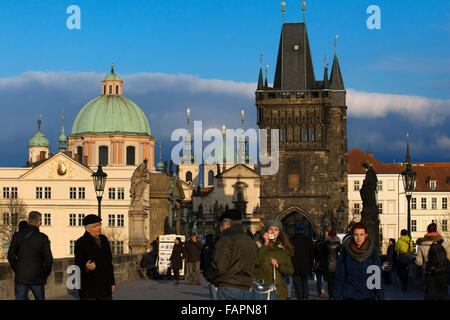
column 311, row 118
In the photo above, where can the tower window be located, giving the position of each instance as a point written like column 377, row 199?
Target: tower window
column 104, row 90
column 304, row 134
column 210, row 177
column 188, row 176
column 110, row 89
column 103, row 155
column 283, row 134
column 312, row 136
column 80, row 153
column 117, row 89
column 131, row 156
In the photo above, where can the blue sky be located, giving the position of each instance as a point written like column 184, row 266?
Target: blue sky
column 222, row 40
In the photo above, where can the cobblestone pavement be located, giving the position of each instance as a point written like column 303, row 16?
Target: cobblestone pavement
column 166, row 290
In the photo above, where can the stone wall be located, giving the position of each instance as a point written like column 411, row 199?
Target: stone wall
column 124, row 270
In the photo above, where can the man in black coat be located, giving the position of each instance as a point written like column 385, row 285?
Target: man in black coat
column 192, row 253
column 302, row 261
column 31, row 259
column 93, row 256
column 176, row 259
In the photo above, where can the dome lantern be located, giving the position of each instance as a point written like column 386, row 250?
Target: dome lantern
column 112, row 83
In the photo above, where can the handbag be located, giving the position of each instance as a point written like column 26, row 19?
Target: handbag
column 261, row 291
column 405, row 259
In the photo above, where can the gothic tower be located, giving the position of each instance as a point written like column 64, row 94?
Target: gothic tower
column 311, row 183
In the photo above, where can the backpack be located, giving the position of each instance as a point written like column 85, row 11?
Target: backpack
column 437, row 258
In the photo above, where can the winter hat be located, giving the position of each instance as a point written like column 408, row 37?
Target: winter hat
column 90, row 219
column 274, row 223
column 332, row 233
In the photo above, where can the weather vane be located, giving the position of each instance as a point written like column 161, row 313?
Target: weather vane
column 335, row 38
column 283, row 10
column 304, row 9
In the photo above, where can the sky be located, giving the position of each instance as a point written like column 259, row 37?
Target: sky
column 205, row 55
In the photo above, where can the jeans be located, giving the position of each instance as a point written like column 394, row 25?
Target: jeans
column 301, row 287
column 330, row 283
column 213, row 291
column 319, row 282
column 194, row 272
column 21, row 291
column 227, row 293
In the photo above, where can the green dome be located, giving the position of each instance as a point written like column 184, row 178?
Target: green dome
column 111, row 114
column 38, row 140
column 160, row 166
column 112, row 76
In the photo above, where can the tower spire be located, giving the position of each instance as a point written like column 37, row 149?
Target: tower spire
column 283, row 10
column 112, row 66
column 408, row 157
column 336, row 81
column 260, row 77
column 62, row 138
column 266, row 84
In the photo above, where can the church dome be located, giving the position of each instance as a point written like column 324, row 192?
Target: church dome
column 39, row 139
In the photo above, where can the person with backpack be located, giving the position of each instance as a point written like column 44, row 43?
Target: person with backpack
column 355, row 266
column 404, row 248
column 433, row 254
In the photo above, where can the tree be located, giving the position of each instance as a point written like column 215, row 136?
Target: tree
column 114, row 235
column 13, row 210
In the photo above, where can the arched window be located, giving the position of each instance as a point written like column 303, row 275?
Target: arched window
column 312, row 135
column 188, row 176
column 110, row 89
column 80, row 152
column 104, row 89
column 210, row 178
column 131, row 151
column 117, row 89
column 103, row 155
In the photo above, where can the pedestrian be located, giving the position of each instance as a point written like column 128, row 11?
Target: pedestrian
column 176, row 259
column 302, row 260
column 404, row 248
column 319, row 268
column 30, row 258
column 433, row 254
column 192, row 253
column 273, row 262
column 332, row 250
column 93, row 257
column 390, row 263
column 354, row 267
column 233, row 265
column 207, row 256
column 148, row 263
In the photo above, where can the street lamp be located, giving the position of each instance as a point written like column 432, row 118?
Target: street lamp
column 99, row 178
column 340, row 217
column 409, row 177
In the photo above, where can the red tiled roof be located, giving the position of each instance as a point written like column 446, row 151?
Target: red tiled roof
column 425, row 172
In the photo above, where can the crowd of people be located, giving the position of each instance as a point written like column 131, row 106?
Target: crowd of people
column 241, row 266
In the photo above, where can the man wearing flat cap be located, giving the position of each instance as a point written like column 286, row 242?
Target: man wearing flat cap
column 233, row 264
column 93, row 256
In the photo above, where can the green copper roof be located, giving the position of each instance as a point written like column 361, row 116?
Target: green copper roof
column 38, row 140
column 111, row 114
column 112, row 76
column 160, row 166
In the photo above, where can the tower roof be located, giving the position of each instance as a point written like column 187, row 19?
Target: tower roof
column 294, row 70
column 336, row 81
column 39, row 139
column 260, row 80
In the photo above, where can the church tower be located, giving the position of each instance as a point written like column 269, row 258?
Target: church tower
column 311, row 118
column 189, row 170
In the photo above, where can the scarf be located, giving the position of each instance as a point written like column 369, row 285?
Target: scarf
column 432, row 234
column 359, row 254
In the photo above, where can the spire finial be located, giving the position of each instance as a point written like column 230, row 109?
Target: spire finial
column 267, row 67
column 283, row 10
column 335, row 38
column 242, row 114
column 223, row 130
column 188, row 113
column 39, row 121
column 160, row 148
column 325, row 60
column 260, row 60
column 112, row 66
column 304, row 9
column 408, row 157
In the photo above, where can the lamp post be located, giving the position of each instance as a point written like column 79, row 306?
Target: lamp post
column 340, row 217
column 99, row 178
column 409, row 177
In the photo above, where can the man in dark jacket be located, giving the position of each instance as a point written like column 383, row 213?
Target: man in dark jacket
column 302, row 261
column 192, row 253
column 93, row 256
column 233, row 265
column 176, row 259
column 31, row 259
column 332, row 250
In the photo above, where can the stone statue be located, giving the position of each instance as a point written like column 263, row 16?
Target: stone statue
column 171, row 168
column 138, row 184
column 178, row 171
column 172, row 204
column 165, row 167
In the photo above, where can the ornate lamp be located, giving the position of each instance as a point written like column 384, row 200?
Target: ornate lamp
column 99, row 179
column 409, row 178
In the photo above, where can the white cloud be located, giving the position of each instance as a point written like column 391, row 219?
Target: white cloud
column 443, row 142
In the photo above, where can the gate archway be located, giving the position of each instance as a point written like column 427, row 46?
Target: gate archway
column 296, row 216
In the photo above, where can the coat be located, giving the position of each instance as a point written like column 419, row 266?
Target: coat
column 96, row 283
column 424, row 246
column 320, row 262
column 30, row 258
column 332, row 249
column 264, row 268
column 402, row 245
column 351, row 277
column 193, row 251
column 391, row 255
column 303, row 258
column 176, row 258
column 233, row 263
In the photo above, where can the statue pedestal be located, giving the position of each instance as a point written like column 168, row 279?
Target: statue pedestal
column 369, row 216
column 136, row 224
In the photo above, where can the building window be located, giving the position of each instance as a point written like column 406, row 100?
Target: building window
column 5, row 192
column 444, row 203
column 112, row 193
column 380, row 208
column 120, row 220
column 304, row 134
column 80, row 219
column 6, row 218
column 80, row 152
column 444, row 225
column 38, row 192
column 120, row 193
column 82, row 193
column 111, row 220
column 210, row 178
column 312, row 136
column 110, row 89
column 47, row 219
column 130, row 156
column 434, row 203
column 423, row 204
column 356, row 208
column 104, row 90
column 47, row 192
column 414, row 225
column 119, row 248
column 300, row 95
column 117, row 89
column 72, row 219
column 73, row 193
column 188, row 176
column 14, row 193
column 414, row 204
column 380, row 186
column 283, row 135
column 433, row 185
column 103, row 155
column 356, row 185
column 72, row 247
